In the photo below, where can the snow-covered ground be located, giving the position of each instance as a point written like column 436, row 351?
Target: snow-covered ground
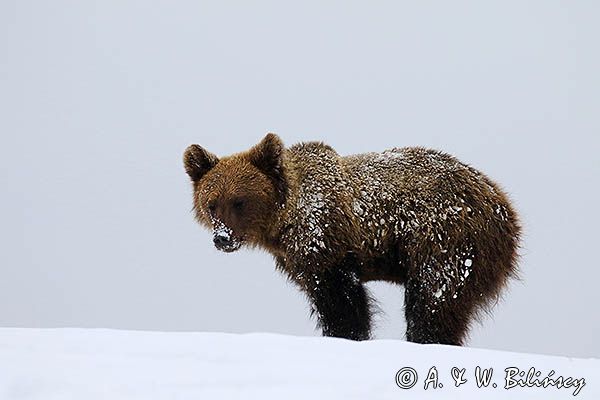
column 111, row 364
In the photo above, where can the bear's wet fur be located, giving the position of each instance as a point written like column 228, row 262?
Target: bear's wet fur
column 410, row 216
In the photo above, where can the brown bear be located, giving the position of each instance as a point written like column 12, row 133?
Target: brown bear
column 410, row 216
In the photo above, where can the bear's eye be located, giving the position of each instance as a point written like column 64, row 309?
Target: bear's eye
column 212, row 206
column 238, row 204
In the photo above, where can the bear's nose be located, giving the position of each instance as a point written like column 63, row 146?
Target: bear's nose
column 222, row 240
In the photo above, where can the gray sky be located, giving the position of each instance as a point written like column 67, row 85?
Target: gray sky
column 99, row 100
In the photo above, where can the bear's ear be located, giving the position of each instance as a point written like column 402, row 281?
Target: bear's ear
column 267, row 156
column 198, row 161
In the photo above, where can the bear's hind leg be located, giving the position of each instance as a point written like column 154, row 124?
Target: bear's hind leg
column 431, row 322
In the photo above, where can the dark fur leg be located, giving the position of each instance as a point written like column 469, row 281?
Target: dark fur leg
column 429, row 323
column 341, row 302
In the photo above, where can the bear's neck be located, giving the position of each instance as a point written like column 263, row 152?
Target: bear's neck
column 275, row 231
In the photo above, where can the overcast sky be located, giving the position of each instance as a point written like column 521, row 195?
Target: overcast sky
column 98, row 100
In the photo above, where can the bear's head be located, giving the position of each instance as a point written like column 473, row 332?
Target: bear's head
column 238, row 196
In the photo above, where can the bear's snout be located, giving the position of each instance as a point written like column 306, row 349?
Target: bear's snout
column 224, row 239
column 226, row 244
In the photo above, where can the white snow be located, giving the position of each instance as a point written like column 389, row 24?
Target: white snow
column 110, row 364
column 222, row 230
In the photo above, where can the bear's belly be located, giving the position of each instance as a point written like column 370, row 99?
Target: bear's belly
column 386, row 267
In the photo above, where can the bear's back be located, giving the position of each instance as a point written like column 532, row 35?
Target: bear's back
column 412, row 194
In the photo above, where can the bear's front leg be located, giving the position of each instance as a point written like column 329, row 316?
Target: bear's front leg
column 340, row 301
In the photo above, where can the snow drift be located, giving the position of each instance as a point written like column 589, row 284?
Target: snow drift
column 110, row 364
